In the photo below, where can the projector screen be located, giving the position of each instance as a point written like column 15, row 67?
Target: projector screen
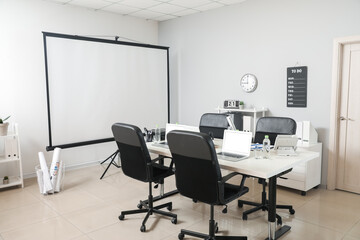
column 93, row 83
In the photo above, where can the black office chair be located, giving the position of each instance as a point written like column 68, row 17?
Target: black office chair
column 198, row 176
column 213, row 124
column 136, row 163
column 271, row 126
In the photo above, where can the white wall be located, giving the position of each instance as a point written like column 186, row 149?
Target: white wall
column 22, row 75
column 211, row 51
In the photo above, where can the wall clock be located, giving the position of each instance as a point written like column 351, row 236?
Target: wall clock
column 249, row 82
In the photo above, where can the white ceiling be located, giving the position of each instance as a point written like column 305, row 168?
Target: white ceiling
column 158, row 10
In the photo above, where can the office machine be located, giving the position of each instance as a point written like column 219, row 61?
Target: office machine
column 285, row 145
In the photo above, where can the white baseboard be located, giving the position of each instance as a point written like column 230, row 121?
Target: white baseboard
column 69, row 167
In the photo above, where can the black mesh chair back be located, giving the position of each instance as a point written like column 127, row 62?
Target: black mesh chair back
column 213, row 124
column 273, row 126
column 134, row 154
column 198, row 177
column 136, row 163
column 197, row 168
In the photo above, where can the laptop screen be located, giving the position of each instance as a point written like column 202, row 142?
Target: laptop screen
column 170, row 127
column 237, row 142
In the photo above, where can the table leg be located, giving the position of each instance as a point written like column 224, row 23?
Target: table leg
column 273, row 234
column 161, row 161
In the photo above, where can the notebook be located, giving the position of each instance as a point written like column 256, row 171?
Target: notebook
column 170, row 127
column 236, row 145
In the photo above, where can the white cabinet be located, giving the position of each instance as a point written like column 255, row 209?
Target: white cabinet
column 306, row 175
column 10, row 158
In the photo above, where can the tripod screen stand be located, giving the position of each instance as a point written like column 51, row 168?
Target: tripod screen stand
column 112, row 162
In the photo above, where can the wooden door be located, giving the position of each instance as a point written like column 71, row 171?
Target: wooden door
column 348, row 164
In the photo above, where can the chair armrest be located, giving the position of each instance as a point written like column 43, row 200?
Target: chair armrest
column 221, row 184
column 229, row 176
column 154, row 161
column 157, row 159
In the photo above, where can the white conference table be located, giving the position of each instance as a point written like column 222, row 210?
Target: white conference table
column 261, row 168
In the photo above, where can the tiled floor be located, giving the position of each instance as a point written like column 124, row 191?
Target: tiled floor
column 88, row 209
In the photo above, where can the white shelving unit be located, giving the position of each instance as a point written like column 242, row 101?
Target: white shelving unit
column 254, row 112
column 10, row 161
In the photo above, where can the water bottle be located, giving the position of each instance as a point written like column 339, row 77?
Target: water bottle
column 266, row 147
column 157, row 135
column 258, row 151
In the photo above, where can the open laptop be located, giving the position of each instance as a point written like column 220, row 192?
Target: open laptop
column 236, row 145
column 170, row 127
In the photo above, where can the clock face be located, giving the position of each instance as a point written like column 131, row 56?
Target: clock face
column 248, row 82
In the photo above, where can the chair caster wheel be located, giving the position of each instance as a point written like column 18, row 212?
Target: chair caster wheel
column 194, row 200
column 292, row 211
column 139, row 206
column 174, row 220
column 245, row 217
column 143, row 228
column 181, row 236
column 279, row 222
column 216, row 229
column 240, row 204
column 121, row 217
column 169, row 207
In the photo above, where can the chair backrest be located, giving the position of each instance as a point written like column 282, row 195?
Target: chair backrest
column 134, row 154
column 197, row 168
column 213, row 124
column 274, row 126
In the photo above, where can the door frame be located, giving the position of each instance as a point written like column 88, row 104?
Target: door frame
column 335, row 106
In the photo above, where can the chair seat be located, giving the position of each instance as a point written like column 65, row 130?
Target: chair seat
column 160, row 172
column 232, row 192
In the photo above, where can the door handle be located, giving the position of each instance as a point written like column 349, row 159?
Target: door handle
column 344, row 118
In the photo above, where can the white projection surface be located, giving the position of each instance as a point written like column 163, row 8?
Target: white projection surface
column 92, row 85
